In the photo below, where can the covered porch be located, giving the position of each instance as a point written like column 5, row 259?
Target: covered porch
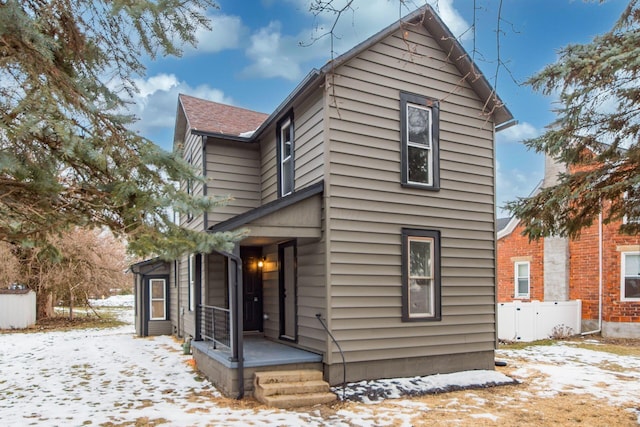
column 260, row 354
column 250, row 300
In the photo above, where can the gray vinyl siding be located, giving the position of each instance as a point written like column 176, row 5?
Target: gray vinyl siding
column 368, row 207
column 159, row 327
column 187, row 318
column 270, row 307
column 173, row 296
column 193, row 148
column 216, row 283
column 308, row 148
column 233, row 169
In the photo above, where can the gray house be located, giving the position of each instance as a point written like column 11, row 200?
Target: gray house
column 368, row 196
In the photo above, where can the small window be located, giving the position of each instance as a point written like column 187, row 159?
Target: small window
column 522, row 279
column 192, row 282
column 285, row 149
column 158, row 301
column 421, row 275
column 630, row 277
column 420, row 143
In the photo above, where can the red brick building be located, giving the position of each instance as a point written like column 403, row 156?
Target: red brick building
column 601, row 268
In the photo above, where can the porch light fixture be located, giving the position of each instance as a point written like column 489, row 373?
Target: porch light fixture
column 261, row 262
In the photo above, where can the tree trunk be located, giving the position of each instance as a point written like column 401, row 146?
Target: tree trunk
column 44, row 303
column 71, row 303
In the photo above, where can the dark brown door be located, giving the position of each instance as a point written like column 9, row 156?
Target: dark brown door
column 252, row 286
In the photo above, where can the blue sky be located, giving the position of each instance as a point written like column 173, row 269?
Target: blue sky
column 253, row 58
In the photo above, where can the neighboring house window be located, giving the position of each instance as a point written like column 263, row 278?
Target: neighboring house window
column 630, row 283
column 420, row 141
column 285, row 149
column 420, row 275
column 522, row 279
column 633, row 214
column 192, row 282
column 158, row 291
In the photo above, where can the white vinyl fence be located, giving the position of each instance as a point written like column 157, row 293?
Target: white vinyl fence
column 536, row 320
column 17, row 309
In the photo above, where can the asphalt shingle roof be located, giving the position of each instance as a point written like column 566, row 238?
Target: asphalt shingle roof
column 213, row 117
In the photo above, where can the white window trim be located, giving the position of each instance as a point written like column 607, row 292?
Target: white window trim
column 623, row 260
column 516, row 293
column 283, row 160
column 192, row 282
column 431, row 278
column 163, row 299
column 429, row 149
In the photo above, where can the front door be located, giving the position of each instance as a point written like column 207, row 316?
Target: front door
column 252, row 286
column 288, row 272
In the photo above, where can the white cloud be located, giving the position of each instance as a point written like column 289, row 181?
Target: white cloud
column 274, row 54
column 518, row 170
column 513, row 183
column 517, row 133
column 155, row 104
column 226, row 33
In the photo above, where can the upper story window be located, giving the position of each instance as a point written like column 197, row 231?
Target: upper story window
column 285, row 149
column 419, row 130
column 630, row 276
column 522, row 279
column 420, row 275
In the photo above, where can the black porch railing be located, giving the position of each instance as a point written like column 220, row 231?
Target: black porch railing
column 216, row 325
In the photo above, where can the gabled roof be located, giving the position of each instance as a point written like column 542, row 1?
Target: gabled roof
column 502, row 223
column 215, row 118
column 209, row 118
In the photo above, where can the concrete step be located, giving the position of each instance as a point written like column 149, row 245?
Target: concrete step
column 291, row 389
column 287, row 401
column 287, row 376
column 299, row 387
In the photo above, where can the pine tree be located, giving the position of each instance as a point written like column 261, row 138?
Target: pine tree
column 67, row 157
column 596, row 134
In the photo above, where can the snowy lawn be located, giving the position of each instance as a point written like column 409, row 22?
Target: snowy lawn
column 109, row 377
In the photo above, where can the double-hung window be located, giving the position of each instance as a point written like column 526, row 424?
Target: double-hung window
column 285, row 149
column 522, row 279
column 630, row 276
column 158, row 300
column 420, row 275
column 419, row 131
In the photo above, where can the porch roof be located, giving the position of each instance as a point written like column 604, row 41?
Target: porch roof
column 297, row 215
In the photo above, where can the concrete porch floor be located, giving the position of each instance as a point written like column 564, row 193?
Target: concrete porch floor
column 258, row 351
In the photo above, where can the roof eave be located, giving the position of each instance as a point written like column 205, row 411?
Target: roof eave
column 269, row 208
column 313, row 77
column 224, row 136
column 460, row 57
column 449, row 43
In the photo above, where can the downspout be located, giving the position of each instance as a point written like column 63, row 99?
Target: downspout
column 600, row 254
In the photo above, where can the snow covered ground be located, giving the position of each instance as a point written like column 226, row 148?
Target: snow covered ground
column 110, row 377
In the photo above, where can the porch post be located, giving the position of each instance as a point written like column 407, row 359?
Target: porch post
column 198, row 297
column 237, row 326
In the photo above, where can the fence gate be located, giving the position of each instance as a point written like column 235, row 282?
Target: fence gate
column 536, row 320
